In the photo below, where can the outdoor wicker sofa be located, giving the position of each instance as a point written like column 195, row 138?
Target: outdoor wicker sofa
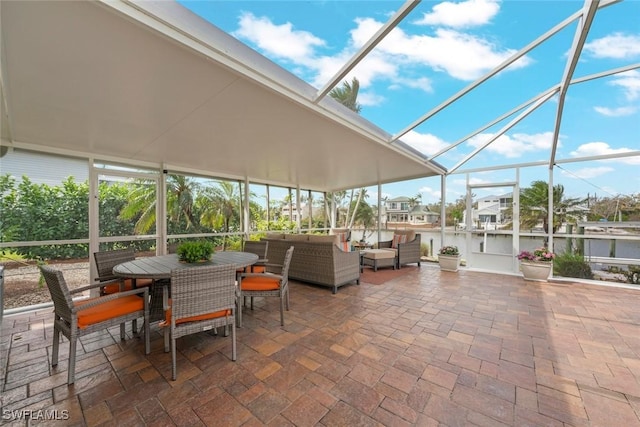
column 316, row 259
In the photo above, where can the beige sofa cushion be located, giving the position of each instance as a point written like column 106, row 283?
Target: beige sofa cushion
column 379, row 254
column 272, row 235
column 322, row 238
column 297, row 237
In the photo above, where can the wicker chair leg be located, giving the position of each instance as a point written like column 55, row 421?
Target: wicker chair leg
column 71, row 375
column 233, row 341
column 147, row 338
column 122, row 332
column 239, row 302
column 281, row 310
column 166, row 339
column 56, row 346
column 174, row 368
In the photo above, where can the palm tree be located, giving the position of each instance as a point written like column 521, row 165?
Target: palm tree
column 141, row 203
column 347, row 95
column 414, row 201
column 220, row 207
column 534, row 206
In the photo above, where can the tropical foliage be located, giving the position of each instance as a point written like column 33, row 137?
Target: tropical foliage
column 39, row 212
column 347, row 95
column 534, row 206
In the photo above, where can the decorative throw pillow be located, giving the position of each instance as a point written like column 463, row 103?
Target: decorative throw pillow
column 398, row 238
column 344, row 246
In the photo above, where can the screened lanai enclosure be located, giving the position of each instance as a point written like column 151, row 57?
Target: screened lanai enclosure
column 136, row 123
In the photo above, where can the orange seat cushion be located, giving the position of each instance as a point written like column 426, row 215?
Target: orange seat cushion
column 108, row 310
column 207, row 316
column 128, row 285
column 260, row 283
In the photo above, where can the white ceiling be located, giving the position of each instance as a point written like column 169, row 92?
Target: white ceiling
column 153, row 83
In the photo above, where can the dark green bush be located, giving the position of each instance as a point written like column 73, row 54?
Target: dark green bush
column 195, row 251
column 571, row 265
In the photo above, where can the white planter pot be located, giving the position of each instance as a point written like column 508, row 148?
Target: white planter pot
column 539, row 271
column 449, row 262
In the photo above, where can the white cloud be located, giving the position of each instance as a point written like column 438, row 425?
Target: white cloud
column 616, row 45
column 515, row 145
column 368, row 99
column 462, row 56
column 616, row 112
column 588, row 173
column 430, row 192
column 425, row 143
column 591, row 149
column 282, row 41
column 629, row 81
column 469, row 13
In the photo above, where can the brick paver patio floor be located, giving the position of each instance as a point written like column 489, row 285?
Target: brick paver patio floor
column 427, row 348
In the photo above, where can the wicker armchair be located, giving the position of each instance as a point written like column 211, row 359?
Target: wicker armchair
column 202, row 298
column 105, row 261
column 77, row 318
column 406, row 253
column 259, row 248
column 266, row 285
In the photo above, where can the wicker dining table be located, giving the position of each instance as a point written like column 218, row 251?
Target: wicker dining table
column 159, row 269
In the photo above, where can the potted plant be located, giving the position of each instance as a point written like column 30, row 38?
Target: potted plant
column 449, row 258
column 198, row 251
column 536, row 265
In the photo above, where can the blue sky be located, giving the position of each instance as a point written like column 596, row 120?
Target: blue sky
column 442, row 47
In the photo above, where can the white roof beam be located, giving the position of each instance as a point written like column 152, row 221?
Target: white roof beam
column 499, row 68
column 588, row 14
column 502, row 131
column 493, row 122
column 555, row 88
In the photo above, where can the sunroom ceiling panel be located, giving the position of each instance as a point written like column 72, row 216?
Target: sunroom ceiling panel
column 115, row 80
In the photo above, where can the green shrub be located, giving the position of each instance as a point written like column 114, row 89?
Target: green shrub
column 572, row 265
column 195, row 251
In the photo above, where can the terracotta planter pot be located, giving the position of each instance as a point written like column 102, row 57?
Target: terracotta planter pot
column 449, row 262
column 539, row 271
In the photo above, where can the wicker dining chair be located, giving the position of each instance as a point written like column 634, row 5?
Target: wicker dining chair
column 77, row 318
column 105, row 261
column 266, row 285
column 260, row 248
column 202, row 299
